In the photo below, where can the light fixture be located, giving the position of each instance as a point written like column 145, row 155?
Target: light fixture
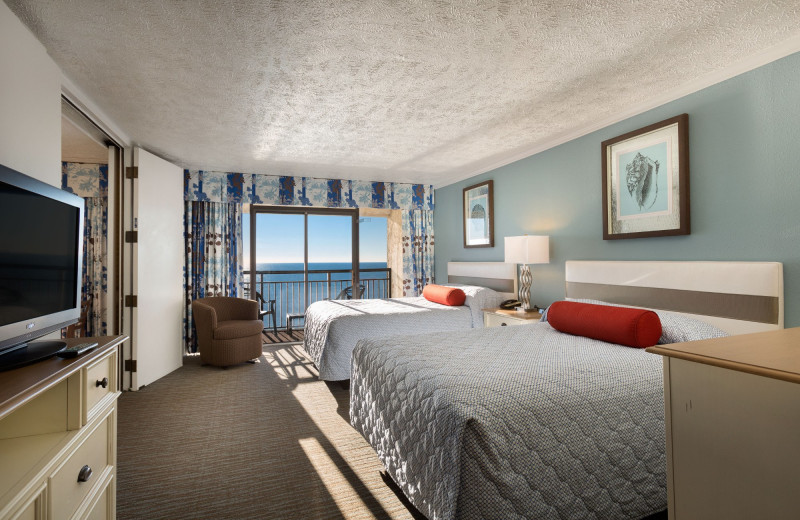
column 527, row 250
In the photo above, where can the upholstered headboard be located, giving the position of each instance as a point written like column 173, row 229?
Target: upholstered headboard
column 500, row 276
column 737, row 297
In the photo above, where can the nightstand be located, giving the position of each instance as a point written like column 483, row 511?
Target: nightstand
column 497, row 317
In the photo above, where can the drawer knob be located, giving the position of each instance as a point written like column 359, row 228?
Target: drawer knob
column 85, row 474
column 504, row 324
column 102, row 382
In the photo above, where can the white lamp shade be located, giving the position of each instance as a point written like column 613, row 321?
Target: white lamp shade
column 527, row 250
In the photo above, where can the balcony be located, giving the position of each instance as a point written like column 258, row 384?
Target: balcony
column 288, row 288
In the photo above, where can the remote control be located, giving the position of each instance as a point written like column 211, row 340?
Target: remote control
column 74, row 350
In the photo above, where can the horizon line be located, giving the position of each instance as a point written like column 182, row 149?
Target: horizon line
column 265, row 261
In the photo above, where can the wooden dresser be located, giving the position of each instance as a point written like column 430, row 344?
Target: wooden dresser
column 733, row 426
column 58, row 436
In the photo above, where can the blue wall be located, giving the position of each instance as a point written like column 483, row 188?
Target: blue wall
column 744, row 143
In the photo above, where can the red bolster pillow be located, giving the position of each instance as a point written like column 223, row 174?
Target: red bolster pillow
column 638, row 328
column 445, row 295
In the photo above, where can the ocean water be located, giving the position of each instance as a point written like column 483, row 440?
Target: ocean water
column 288, row 289
column 327, row 266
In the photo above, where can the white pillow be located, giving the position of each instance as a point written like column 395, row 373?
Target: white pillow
column 478, row 298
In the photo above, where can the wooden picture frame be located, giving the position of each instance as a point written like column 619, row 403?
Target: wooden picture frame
column 646, row 181
column 478, row 215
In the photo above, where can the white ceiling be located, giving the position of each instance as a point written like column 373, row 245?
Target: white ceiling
column 410, row 91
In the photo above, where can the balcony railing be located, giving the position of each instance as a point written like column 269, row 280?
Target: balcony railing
column 288, row 289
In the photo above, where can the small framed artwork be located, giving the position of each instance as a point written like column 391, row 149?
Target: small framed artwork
column 479, row 215
column 646, row 181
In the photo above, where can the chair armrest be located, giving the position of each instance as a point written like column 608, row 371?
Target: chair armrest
column 204, row 315
column 205, row 321
column 262, row 302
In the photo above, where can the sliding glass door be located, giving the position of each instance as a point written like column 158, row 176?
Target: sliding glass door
column 279, row 251
column 331, row 262
column 297, row 256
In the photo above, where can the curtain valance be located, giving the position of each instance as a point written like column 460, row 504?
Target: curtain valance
column 253, row 188
column 85, row 180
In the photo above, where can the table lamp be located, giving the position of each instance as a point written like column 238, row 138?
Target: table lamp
column 527, row 250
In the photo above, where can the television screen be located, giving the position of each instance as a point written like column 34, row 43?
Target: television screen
column 41, row 243
column 38, row 256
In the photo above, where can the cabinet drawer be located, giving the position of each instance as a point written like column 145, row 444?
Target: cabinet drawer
column 100, row 380
column 101, row 508
column 498, row 320
column 66, row 491
column 29, row 513
column 33, row 509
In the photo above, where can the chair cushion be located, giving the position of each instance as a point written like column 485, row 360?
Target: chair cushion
column 238, row 329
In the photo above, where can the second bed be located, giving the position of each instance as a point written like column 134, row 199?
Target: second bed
column 333, row 327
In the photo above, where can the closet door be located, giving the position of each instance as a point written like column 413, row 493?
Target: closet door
column 155, row 273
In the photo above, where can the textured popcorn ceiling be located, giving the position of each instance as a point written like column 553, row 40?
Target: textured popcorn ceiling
column 411, row 91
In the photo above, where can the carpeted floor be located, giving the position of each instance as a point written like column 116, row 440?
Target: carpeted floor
column 264, row 440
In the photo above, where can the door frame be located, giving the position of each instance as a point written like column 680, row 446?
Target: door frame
column 118, row 150
column 355, row 263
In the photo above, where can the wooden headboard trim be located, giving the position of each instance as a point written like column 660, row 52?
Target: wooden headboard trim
column 721, row 289
column 497, row 284
column 499, row 276
column 746, row 307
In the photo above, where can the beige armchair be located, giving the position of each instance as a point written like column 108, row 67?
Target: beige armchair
column 228, row 330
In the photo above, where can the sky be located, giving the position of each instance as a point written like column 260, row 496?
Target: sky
column 280, row 238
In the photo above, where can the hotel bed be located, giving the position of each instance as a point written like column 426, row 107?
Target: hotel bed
column 529, row 422
column 333, row 327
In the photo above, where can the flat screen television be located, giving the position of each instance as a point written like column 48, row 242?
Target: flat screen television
column 41, row 250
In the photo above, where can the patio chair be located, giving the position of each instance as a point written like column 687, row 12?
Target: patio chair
column 267, row 308
column 347, row 292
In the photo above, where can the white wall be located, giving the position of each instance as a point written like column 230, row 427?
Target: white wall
column 30, row 103
column 31, row 86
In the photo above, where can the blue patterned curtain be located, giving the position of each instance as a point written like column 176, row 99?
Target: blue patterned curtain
column 95, row 258
column 418, row 258
column 90, row 181
column 213, row 224
column 213, row 259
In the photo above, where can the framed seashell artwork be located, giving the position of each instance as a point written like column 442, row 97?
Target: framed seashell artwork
column 479, row 215
column 646, row 181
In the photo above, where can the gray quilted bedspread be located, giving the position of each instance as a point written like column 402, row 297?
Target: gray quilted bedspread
column 333, row 328
column 514, row 422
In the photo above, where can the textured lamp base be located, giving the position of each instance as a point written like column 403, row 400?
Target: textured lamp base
column 525, row 279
